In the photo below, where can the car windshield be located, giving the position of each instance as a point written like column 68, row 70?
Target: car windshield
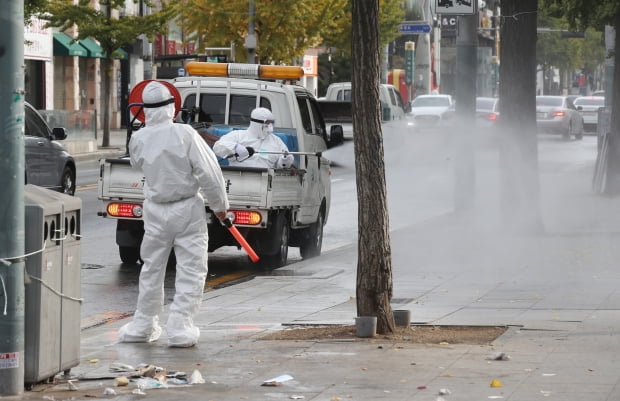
column 590, row 101
column 431, row 101
column 549, row 101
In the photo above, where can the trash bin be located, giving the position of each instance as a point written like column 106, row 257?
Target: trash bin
column 52, row 296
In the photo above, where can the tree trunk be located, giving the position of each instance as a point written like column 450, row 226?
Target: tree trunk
column 374, row 265
column 106, row 68
column 520, row 188
column 612, row 177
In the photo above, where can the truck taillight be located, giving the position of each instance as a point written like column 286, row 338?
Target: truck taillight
column 119, row 209
column 246, row 217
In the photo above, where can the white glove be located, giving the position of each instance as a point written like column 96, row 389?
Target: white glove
column 241, row 152
column 285, row 161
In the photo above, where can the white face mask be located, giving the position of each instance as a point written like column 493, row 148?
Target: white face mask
column 267, row 129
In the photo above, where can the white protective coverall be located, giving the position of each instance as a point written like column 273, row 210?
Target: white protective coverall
column 258, row 136
column 176, row 163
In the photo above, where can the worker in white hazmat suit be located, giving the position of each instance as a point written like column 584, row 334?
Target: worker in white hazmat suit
column 244, row 147
column 176, row 163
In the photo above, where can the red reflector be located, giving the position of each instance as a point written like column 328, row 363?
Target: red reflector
column 247, row 217
column 132, row 210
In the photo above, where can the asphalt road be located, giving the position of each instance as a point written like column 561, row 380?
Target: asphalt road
column 420, row 172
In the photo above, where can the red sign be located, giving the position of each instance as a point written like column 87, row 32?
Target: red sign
column 171, row 47
column 159, row 45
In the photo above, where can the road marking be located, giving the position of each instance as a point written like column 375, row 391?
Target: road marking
column 218, row 281
column 85, row 187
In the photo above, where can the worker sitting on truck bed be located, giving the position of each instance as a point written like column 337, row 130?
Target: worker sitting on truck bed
column 257, row 146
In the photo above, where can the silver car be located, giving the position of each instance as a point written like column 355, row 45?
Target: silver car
column 558, row 114
column 48, row 164
column 588, row 107
column 430, row 110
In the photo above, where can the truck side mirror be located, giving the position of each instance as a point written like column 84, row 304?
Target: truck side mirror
column 336, row 136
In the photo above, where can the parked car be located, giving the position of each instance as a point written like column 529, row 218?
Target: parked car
column 48, row 164
column 557, row 114
column 487, row 112
column 392, row 107
column 588, row 107
column 429, row 111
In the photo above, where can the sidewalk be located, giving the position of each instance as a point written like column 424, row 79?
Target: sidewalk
column 558, row 293
column 116, row 146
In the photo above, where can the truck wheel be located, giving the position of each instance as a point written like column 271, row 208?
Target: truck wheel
column 128, row 254
column 311, row 245
column 280, row 232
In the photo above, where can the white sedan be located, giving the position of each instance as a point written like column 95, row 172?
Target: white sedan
column 588, row 107
column 430, row 110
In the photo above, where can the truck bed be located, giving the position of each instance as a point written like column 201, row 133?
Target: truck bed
column 247, row 187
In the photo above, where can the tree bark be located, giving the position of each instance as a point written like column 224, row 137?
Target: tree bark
column 520, row 188
column 107, row 69
column 374, row 265
column 612, row 177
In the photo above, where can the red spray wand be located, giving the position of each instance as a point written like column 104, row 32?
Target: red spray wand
column 244, row 244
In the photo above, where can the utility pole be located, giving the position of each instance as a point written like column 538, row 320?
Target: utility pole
column 250, row 39
column 465, row 97
column 610, row 43
column 12, row 292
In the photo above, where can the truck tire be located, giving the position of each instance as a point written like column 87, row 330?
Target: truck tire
column 313, row 241
column 129, row 254
column 280, row 232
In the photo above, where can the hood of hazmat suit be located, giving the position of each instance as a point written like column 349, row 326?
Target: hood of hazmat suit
column 261, row 122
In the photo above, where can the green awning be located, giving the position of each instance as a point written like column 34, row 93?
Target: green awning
column 120, row 54
column 63, row 46
column 93, row 49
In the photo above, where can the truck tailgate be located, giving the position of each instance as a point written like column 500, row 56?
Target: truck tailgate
column 119, row 180
column 246, row 187
column 263, row 188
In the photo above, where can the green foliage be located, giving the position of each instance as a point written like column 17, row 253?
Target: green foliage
column 390, row 15
column 111, row 32
column 336, row 70
column 582, row 14
column 284, row 29
column 33, row 7
column 552, row 50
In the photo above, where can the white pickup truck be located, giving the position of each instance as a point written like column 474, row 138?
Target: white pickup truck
column 273, row 209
